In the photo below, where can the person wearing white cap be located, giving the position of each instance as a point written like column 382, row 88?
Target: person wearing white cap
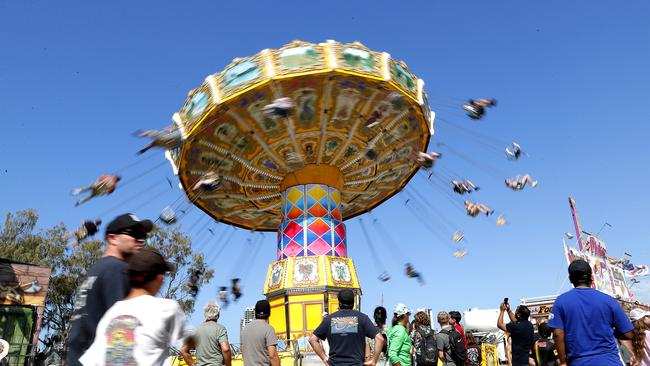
column 399, row 341
column 641, row 341
column 4, row 351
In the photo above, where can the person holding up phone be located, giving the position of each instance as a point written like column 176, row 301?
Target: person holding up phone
column 521, row 332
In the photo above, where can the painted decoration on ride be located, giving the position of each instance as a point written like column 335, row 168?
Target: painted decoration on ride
column 197, row 105
column 358, row 58
column 607, row 278
column 490, row 355
column 276, row 276
column 311, row 223
column 338, row 91
column 23, row 284
column 240, row 73
column 297, row 57
column 341, row 272
column 403, row 77
column 306, row 272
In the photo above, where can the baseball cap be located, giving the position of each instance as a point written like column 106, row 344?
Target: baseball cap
column 262, row 309
column 637, row 314
column 346, row 297
column 579, row 269
column 149, row 260
column 129, row 222
column 401, row 309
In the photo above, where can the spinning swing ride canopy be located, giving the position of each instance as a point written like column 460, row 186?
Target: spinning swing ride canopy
column 360, row 117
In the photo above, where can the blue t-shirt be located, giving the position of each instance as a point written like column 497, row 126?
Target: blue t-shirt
column 590, row 319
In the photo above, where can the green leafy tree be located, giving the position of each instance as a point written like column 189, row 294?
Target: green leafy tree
column 176, row 247
column 20, row 241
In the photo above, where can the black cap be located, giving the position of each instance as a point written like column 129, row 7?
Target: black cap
column 579, row 269
column 129, row 222
column 262, row 309
column 346, row 297
column 148, row 260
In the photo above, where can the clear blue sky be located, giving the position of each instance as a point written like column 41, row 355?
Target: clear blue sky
column 77, row 78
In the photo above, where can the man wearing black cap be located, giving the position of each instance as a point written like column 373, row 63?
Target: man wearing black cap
column 258, row 339
column 106, row 282
column 586, row 322
column 140, row 329
column 346, row 331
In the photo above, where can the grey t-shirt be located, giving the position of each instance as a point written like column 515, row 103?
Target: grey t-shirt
column 255, row 338
column 442, row 341
column 208, row 338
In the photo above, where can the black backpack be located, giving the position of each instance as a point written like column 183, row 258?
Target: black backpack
column 427, row 352
column 456, row 346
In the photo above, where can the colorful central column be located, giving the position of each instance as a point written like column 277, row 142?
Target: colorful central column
column 311, row 265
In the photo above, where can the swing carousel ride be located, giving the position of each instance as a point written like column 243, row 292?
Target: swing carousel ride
column 350, row 142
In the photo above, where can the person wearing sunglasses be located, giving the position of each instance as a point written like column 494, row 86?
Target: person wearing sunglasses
column 106, row 281
column 140, row 329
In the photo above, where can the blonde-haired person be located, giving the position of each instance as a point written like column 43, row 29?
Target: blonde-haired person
column 210, row 340
column 641, row 341
column 399, row 341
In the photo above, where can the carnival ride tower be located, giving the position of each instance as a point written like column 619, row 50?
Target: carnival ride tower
column 349, row 145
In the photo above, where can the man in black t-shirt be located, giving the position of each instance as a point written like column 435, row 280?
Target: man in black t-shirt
column 346, row 331
column 521, row 332
column 106, row 282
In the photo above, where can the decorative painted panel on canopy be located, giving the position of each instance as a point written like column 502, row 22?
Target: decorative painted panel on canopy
column 357, row 111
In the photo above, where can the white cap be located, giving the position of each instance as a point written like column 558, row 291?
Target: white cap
column 637, row 314
column 4, row 348
column 401, row 309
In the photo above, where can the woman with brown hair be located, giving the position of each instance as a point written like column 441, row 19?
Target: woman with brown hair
column 424, row 342
column 473, row 350
column 641, row 341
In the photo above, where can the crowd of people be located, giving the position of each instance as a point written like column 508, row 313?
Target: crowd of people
column 118, row 320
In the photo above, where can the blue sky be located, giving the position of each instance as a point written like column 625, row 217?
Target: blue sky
column 77, row 78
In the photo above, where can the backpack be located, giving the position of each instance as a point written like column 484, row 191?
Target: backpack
column 427, row 352
column 456, row 346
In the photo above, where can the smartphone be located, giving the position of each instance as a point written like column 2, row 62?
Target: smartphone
column 505, row 300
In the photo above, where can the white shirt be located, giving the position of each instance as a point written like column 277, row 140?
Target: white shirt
column 137, row 332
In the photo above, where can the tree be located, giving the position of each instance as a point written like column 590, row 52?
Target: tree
column 176, row 247
column 20, row 241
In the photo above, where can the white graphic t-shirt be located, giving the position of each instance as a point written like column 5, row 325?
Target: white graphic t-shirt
column 137, row 332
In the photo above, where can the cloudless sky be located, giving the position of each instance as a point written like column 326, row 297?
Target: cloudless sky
column 571, row 77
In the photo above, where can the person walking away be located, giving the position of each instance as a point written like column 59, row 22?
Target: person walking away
column 258, row 339
column 140, row 329
column 586, row 322
column 454, row 321
column 425, row 348
column 399, row 342
column 106, row 282
column 446, row 340
column 641, row 342
column 380, row 315
column 474, row 356
column 544, row 348
column 521, row 330
column 345, row 331
column 210, row 340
